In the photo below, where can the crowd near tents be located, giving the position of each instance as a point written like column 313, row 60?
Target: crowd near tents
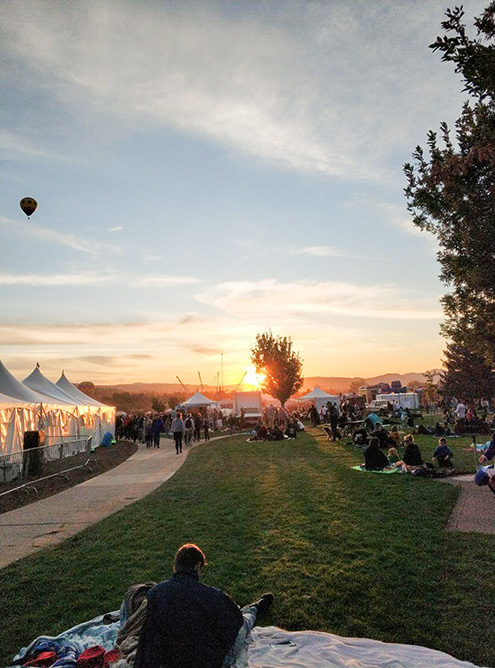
column 59, row 410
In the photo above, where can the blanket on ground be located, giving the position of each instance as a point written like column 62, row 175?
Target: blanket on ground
column 268, row 647
column 387, row 472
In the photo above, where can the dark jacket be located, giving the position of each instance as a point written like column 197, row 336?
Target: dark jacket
column 491, row 449
column 374, row 459
column 412, row 455
column 188, row 625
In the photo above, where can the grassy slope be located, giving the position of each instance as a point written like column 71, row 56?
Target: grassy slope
column 352, row 553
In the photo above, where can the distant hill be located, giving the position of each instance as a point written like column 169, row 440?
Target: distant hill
column 334, row 383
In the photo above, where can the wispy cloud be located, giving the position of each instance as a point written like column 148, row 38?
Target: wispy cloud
column 119, row 228
column 98, row 278
column 157, row 280
column 32, row 231
column 302, row 93
column 320, row 251
column 312, row 298
column 57, row 280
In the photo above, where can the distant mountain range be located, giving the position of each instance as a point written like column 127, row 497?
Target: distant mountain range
column 336, row 384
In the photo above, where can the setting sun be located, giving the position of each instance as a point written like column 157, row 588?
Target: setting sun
column 253, row 378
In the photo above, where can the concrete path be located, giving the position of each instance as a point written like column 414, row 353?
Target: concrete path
column 50, row 521
column 475, row 507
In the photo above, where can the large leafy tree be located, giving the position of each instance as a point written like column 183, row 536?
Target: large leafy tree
column 282, row 366
column 467, row 375
column 451, row 187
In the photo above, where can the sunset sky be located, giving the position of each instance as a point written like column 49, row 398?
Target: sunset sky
column 208, row 170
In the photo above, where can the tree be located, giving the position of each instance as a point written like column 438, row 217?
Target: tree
column 87, row 387
column 430, row 389
column 174, row 401
column 451, row 191
column 356, row 384
column 467, row 375
column 157, row 405
column 273, row 356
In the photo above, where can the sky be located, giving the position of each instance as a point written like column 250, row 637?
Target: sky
column 206, row 171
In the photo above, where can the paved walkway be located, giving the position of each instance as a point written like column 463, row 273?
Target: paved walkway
column 50, row 521
column 475, row 507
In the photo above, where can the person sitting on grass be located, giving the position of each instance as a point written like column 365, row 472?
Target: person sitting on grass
column 412, row 454
column 191, row 625
column 395, row 435
column 374, row 459
column 443, row 454
column 359, row 437
column 291, row 431
column 393, row 456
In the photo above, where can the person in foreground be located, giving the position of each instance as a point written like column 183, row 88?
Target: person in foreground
column 189, row 624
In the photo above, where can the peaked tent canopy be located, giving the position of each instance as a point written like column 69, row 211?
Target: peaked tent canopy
column 39, row 383
column 13, row 388
column 197, row 400
column 317, row 393
column 75, row 394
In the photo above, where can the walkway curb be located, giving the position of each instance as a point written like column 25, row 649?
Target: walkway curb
column 50, row 521
column 474, row 509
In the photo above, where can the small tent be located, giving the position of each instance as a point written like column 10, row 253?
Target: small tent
column 197, row 400
column 320, row 397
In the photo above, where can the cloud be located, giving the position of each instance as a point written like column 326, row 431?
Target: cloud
column 99, row 278
column 301, row 91
column 157, row 280
column 57, row 280
column 119, row 228
column 320, row 251
column 304, row 298
column 35, row 231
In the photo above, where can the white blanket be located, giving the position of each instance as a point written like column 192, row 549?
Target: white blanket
column 326, row 650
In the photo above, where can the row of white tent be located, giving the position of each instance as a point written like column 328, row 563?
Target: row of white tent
column 59, row 409
column 317, row 395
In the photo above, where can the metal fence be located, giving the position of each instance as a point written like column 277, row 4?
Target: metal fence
column 31, row 464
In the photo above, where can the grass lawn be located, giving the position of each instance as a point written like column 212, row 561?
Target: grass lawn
column 353, row 553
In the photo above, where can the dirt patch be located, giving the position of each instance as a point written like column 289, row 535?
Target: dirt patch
column 101, row 460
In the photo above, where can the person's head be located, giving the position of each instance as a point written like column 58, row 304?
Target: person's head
column 442, row 441
column 393, row 452
column 374, row 442
column 408, row 439
column 189, row 559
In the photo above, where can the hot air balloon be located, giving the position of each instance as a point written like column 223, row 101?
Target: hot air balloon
column 28, row 205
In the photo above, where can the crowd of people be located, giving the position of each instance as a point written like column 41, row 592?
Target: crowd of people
column 184, row 427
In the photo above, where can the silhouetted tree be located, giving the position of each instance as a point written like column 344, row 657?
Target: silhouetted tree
column 467, row 375
column 451, row 189
column 273, row 356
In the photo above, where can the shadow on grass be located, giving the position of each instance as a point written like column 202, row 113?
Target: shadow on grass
column 343, row 552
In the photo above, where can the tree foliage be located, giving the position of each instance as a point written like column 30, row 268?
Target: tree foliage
column 282, row 366
column 157, row 405
column 467, row 375
column 451, row 187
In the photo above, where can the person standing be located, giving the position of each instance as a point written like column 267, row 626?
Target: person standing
column 157, row 428
column 177, row 428
column 188, row 429
column 206, row 427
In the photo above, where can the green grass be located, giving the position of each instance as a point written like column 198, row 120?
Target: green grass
column 347, row 552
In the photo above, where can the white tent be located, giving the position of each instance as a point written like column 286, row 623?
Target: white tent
column 24, row 409
column 16, row 417
column 320, row 398
column 197, row 400
column 104, row 416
